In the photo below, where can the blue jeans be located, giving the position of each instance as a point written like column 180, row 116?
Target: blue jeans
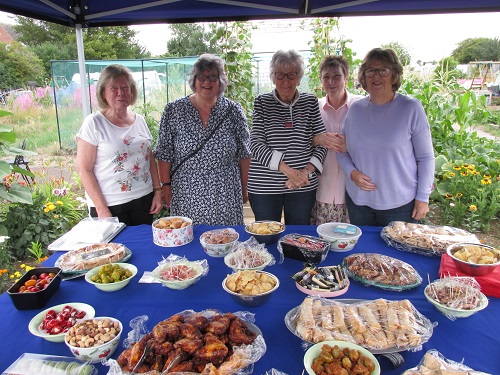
column 365, row 215
column 296, row 206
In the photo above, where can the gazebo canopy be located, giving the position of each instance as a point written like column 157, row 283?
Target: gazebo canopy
column 93, row 13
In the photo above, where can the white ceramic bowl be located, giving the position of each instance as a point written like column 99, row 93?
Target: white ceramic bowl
column 339, row 241
column 173, row 237
column 456, row 313
column 96, row 354
column 252, row 300
column 314, row 351
column 219, row 250
column 178, row 284
column 234, row 260
column 471, row 268
column 111, row 287
column 35, row 323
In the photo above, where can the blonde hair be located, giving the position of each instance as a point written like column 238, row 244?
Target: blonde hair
column 108, row 75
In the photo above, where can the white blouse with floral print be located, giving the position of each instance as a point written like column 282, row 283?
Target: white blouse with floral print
column 122, row 165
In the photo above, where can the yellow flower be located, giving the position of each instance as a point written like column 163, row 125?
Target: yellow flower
column 475, row 173
column 459, row 195
column 46, row 210
column 59, row 203
column 449, row 196
column 56, row 216
column 471, row 167
column 18, row 274
column 51, row 207
column 28, row 268
column 485, row 181
column 486, row 175
column 23, row 265
column 456, row 167
column 11, row 276
column 464, row 173
column 451, row 174
column 465, row 166
column 473, row 207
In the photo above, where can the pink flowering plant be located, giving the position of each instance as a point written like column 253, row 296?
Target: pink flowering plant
column 466, row 195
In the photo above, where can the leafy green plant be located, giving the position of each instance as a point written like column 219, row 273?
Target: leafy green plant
column 233, row 40
column 37, row 252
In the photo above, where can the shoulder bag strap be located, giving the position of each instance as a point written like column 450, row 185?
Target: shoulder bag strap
column 200, row 146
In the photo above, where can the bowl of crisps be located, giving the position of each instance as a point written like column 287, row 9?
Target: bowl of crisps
column 250, row 288
column 172, row 231
column 265, row 231
column 474, row 259
column 219, row 242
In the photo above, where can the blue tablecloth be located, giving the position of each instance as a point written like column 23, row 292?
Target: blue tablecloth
column 475, row 339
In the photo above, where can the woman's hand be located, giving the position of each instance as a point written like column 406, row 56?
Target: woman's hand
column 103, row 212
column 331, row 141
column 362, row 181
column 166, row 193
column 420, row 210
column 156, row 204
column 296, row 178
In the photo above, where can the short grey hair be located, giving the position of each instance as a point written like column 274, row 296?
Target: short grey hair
column 208, row 61
column 286, row 59
column 108, row 75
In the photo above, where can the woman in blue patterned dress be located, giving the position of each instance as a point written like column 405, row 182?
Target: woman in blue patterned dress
column 203, row 150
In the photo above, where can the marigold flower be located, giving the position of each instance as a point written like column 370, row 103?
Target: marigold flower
column 449, row 196
column 23, row 265
column 56, row 216
column 51, row 207
column 59, row 203
column 46, row 210
column 11, row 276
column 485, row 181
column 473, row 207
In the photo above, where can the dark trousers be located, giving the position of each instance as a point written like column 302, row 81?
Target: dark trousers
column 135, row 212
column 365, row 215
column 297, row 207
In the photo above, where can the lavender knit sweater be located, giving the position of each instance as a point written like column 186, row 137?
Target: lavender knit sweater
column 391, row 144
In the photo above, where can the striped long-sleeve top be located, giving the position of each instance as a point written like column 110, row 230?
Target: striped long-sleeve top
column 283, row 132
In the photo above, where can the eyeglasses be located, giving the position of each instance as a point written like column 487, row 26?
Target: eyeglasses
column 336, row 77
column 383, row 72
column 203, row 78
column 281, row 76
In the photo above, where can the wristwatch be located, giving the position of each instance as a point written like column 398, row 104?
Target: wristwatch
column 166, row 184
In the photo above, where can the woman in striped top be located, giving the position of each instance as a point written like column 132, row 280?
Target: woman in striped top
column 285, row 166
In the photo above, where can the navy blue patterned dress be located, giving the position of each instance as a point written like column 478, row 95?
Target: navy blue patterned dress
column 207, row 187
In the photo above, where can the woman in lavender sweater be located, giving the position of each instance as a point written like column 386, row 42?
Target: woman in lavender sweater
column 390, row 158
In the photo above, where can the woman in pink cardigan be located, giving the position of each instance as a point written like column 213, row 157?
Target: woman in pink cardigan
column 330, row 196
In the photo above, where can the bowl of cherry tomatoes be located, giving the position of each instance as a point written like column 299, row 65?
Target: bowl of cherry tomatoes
column 53, row 323
column 35, row 287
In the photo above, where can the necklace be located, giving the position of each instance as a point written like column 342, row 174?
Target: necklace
column 202, row 112
column 383, row 117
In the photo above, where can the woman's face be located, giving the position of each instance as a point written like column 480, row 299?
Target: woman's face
column 379, row 78
column 286, row 86
column 333, row 81
column 207, row 84
column 117, row 93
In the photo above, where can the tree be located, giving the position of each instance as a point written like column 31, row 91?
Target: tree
column 401, row 51
column 189, row 39
column 18, row 65
column 477, row 49
column 52, row 41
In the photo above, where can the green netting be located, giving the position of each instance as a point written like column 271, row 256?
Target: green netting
column 159, row 81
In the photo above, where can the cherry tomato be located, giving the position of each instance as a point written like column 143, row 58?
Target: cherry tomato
column 22, row 289
column 29, row 283
column 45, row 286
column 34, row 289
column 43, row 275
column 33, row 277
column 52, row 274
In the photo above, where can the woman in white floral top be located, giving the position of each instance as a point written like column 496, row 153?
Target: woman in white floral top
column 114, row 157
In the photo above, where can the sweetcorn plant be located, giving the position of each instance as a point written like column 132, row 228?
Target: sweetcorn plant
column 467, row 196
